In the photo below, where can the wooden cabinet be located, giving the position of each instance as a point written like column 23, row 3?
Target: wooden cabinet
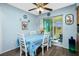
column 78, row 29
column 78, row 15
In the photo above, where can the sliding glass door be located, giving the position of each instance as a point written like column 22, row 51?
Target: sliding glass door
column 58, row 28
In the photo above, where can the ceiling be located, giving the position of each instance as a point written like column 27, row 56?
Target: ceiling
column 27, row 6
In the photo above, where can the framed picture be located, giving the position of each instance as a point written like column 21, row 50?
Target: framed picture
column 24, row 25
column 69, row 19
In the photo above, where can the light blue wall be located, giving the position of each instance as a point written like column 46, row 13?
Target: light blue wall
column 68, row 30
column 0, row 31
column 10, row 17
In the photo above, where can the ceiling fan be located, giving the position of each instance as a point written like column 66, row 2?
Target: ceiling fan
column 40, row 7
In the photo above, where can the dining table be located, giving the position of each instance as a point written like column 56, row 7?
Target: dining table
column 33, row 42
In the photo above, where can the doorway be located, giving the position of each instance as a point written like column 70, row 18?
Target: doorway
column 47, row 25
column 58, row 30
column 55, row 27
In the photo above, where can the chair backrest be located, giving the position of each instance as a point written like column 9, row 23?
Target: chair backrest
column 46, row 37
column 33, row 32
column 22, row 42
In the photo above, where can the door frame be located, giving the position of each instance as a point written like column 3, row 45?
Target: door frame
column 51, row 17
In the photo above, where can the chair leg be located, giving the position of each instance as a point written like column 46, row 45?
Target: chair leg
column 42, row 50
column 25, row 53
column 47, row 47
column 20, row 52
column 50, row 44
column 35, row 52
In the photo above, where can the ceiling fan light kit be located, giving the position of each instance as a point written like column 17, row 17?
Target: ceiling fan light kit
column 40, row 7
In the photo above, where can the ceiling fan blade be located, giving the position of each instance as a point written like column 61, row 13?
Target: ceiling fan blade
column 40, row 12
column 32, row 9
column 48, row 9
column 45, row 4
column 35, row 4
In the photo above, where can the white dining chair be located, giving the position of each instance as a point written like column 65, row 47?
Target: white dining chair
column 45, row 42
column 23, row 46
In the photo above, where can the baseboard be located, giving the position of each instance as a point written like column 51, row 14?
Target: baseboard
column 8, row 50
column 57, row 44
column 60, row 46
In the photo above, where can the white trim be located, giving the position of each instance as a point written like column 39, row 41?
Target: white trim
column 7, row 50
column 60, row 46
